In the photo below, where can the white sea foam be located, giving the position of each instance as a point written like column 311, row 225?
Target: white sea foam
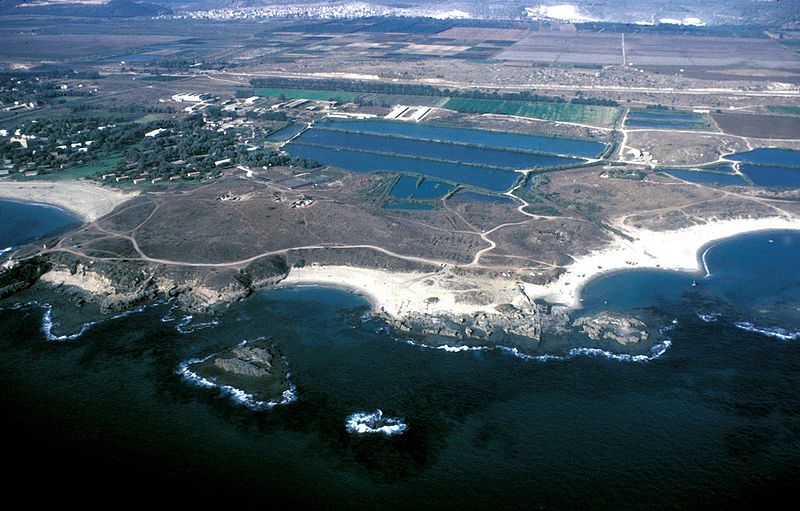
column 777, row 332
column 375, row 422
column 710, row 317
column 443, row 347
column 655, row 352
column 4, row 251
column 185, row 325
column 48, row 324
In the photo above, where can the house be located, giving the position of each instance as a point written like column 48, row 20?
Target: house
column 158, row 133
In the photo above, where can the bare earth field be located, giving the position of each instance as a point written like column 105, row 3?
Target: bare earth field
column 759, row 126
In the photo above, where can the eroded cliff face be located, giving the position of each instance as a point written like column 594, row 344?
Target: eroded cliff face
column 119, row 285
column 15, row 278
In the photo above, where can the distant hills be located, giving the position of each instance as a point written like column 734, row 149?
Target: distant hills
column 84, row 8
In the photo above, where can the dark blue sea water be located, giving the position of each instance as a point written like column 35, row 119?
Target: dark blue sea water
column 22, row 222
column 714, row 421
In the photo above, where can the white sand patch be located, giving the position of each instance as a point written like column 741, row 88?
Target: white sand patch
column 399, row 294
column 88, row 200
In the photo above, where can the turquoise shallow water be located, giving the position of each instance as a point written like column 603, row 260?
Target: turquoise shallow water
column 713, row 421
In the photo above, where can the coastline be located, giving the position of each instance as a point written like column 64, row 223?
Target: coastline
column 402, row 294
column 677, row 250
column 87, row 200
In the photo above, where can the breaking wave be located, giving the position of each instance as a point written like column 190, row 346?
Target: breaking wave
column 655, row 352
column 48, row 324
column 710, row 317
column 775, row 331
column 4, row 251
column 185, row 325
column 374, row 422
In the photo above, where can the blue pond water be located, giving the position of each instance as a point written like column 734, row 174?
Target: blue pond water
column 769, row 156
column 493, row 179
column 434, row 150
column 772, row 176
column 488, row 138
column 706, row 177
column 674, row 125
column 411, row 187
column 667, row 119
column 666, row 115
column 712, row 423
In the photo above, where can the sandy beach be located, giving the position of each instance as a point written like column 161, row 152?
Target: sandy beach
column 88, row 200
column 399, row 294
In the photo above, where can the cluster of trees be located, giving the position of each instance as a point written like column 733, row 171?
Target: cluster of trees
column 659, row 106
column 40, row 87
column 193, row 148
column 593, row 101
column 26, row 90
column 52, row 147
column 128, row 109
column 269, row 115
column 413, row 89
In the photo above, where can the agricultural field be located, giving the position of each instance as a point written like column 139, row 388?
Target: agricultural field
column 481, row 34
column 759, row 126
column 562, row 112
column 649, row 49
column 557, row 48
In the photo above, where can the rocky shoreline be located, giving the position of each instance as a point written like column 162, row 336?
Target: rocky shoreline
column 120, row 285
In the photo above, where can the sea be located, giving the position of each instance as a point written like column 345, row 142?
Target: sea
column 103, row 411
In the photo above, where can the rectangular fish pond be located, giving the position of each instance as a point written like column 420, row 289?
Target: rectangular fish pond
column 706, row 178
column 472, row 136
column 666, row 119
column 770, row 167
column 479, row 158
column 489, row 178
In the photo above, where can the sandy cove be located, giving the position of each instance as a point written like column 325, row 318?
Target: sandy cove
column 88, row 200
column 399, row 294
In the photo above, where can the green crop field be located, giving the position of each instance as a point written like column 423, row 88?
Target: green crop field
column 565, row 112
column 783, row 109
